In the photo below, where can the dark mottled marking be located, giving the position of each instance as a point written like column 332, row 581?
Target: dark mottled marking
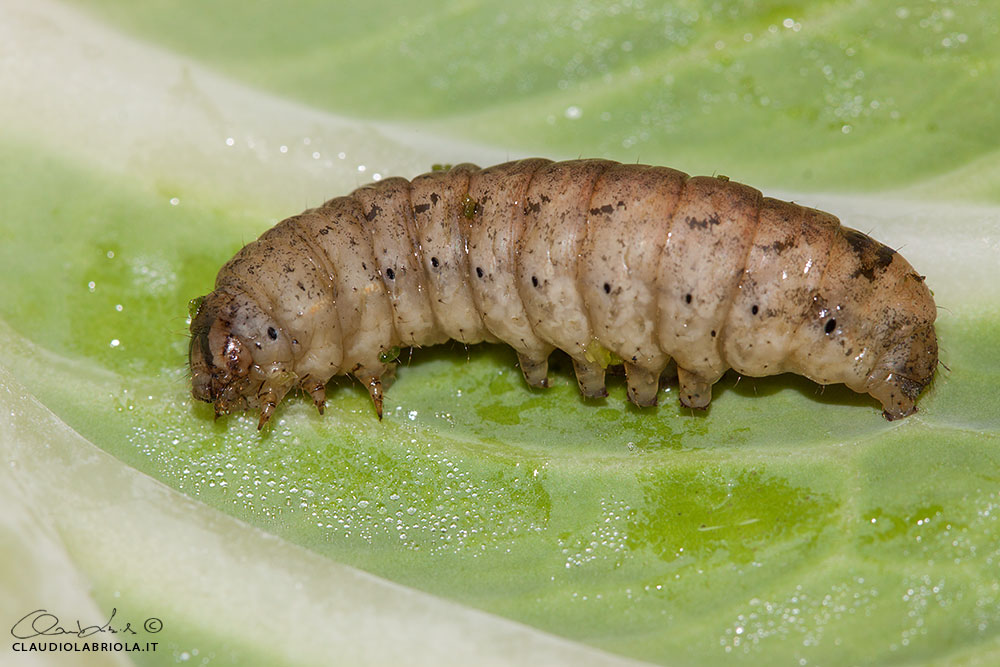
column 421, row 208
column 873, row 257
column 779, row 246
column 710, row 221
column 372, row 214
column 606, row 209
column 390, row 274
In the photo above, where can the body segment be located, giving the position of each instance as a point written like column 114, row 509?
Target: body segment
column 614, row 264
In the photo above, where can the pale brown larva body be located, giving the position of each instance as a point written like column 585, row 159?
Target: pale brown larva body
column 596, row 258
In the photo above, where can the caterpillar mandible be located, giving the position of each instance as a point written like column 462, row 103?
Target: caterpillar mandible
column 611, row 263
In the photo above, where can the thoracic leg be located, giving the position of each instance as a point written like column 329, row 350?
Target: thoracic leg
column 373, row 384
column 268, row 402
column 315, row 389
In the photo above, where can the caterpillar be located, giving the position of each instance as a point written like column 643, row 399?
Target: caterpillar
column 612, row 263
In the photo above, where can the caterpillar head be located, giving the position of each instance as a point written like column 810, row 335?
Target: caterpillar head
column 902, row 372
column 877, row 312
column 905, row 344
column 237, row 355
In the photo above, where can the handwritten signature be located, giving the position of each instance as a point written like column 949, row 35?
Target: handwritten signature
column 42, row 623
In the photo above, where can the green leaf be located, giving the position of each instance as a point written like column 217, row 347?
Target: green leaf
column 787, row 524
column 811, row 95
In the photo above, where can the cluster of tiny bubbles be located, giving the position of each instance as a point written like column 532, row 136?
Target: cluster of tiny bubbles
column 918, row 596
column 414, row 496
column 845, row 101
column 311, row 149
column 937, row 24
column 801, row 615
column 426, row 500
column 970, row 539
column 605, row 543
column 152, row 274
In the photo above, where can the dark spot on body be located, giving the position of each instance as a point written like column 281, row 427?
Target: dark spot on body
column 435, row 197
column 545, row 198
column 373, row 213
column 479, row 271
column 434, row 262
column 687, row 298
column 754, row 310
column 534, row 281
column 532, row 207
column 390, row 274
column 607, row 288
column 831, row 325
column 272, row 334
column 421, row 208
column 713, row 333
